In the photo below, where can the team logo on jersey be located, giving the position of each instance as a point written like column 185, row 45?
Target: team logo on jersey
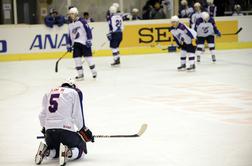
column 205, row 29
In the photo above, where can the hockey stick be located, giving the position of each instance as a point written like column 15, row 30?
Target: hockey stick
column 57, row 62
column 140, row 132
column 236, row 33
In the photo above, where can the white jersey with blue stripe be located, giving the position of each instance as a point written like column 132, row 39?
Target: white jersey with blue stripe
column 206, row 28
column 194, row 17
column 182, row 33
column 79, row 32
column 62, row 109
column 115, row 22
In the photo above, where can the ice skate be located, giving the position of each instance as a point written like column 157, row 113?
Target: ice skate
column 213, row 58
column 191, row 68
column 79, row 77
column 42, row 152
column 116, row 62
column 64, row 153
column 94, row 73
column 182, row 67
column 198, row 58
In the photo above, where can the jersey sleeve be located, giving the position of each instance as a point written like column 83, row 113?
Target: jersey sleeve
column 69, row 40
column 87, row 29
column 42, row 114
column 216, row 31
column 78, row 114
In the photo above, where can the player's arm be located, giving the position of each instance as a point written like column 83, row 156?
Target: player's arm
column 69, row 41
column 42, row 115
column 78, row 116
column 216, row 31
column 88, row 33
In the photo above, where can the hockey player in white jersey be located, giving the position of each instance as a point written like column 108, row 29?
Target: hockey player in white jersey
column 115, row 34
column 80, row 40
column 184, row 39
column 195, row 15
column 62, row 113
column 206, row 29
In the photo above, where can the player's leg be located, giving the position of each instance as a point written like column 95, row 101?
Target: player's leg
column 200, row 47
column 191, row 50
column 87, row 52
column 72, row 146
column 114, row 45
column 77, row 54
column 211, row 45
column 47, row 150
column 182, row 59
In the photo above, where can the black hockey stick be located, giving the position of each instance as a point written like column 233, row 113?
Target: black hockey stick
column 57, row 62
column 236, row 33
column 140, row 132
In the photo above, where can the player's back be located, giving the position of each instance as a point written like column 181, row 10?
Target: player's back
column 116, row 23
column 204, row 28
column 59, row 106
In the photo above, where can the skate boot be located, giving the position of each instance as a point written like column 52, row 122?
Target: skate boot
column 42, row 152
column 64, row 154
column 191, row 68
column 116, row 62
column 213, row 58
column 182, row 67
column 93, row 71
column 79, row 77
column 198, row 58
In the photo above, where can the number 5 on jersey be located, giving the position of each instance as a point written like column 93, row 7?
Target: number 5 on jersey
column 53, row 103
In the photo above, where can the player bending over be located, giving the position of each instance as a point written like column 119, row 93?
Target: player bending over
column 115, row 22
column 80, row 37
column 206, row 29
column 184, row 38
column 62, row 112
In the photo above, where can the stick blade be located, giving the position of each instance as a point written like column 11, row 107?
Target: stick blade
column 142, row 129
column 239, row 30
column 56, row 66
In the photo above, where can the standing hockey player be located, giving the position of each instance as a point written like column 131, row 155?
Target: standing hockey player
column 211, row 8
column 206, row 29
column 195, row 15
column 80, row 37
column 115, row 22
column 184, row 39
column 62, row 111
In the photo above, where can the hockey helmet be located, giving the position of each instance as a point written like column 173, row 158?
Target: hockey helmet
column 73, row 10
column 183, row 2
column 210, row 1
column 174, row 19
column 112, row 9
column 116, row 5
column 69, row 83
column 205, row 16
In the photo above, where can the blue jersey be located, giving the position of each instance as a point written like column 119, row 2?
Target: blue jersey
column 115, row 22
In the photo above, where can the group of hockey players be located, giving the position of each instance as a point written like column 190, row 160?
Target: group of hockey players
column 202, row 28
column 62, row 109
column 80, row 39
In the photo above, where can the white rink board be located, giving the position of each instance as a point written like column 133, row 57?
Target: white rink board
column 203, row 118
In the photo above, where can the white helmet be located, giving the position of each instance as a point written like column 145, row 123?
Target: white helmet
column 205, row 16
column 174, row 19
column 73, row 10
column 116, row 5
column 112, row 9
column 183, row 2
column 210, row 1
column 197, row 4
column 69, row 83
column 135, row 10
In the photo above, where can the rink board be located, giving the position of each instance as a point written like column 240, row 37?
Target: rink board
column 29, row 42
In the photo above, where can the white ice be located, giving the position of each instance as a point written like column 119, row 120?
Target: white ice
column 201, row 118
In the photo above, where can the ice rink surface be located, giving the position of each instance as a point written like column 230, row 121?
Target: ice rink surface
column 201, row 118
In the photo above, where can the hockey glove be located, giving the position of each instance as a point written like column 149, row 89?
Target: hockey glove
column 43, row 131
column 218, row 34
column 86, row 135
column 69, row 48
column 88, row 43
column 109, row 36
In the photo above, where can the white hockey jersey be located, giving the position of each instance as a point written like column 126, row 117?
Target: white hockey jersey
column 115, row 22
column 183, row 33
column 205, row 29
column 79, row 31
column 62, row 109
column 193, row 19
